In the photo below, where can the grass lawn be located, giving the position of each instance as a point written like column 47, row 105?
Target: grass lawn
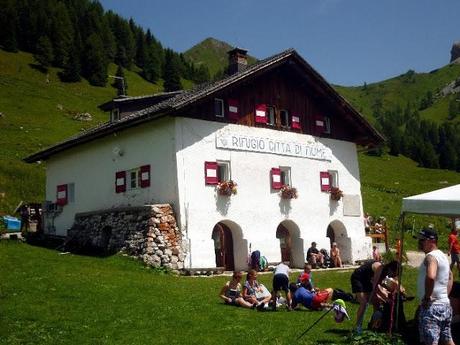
column 48, row 298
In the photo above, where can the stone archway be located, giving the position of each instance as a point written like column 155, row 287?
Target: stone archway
column 230, row 247
column 291, row 244
column 337, row 232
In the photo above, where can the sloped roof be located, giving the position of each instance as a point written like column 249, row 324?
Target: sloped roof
column 199, row 92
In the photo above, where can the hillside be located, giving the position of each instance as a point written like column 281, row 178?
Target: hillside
column 407, row 89
column 37, row 113
column 213, row 54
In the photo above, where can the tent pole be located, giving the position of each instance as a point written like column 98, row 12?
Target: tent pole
column 401, row 248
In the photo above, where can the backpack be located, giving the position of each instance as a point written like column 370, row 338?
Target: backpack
column 263, row 263
column 340, row 294
column 255, row 260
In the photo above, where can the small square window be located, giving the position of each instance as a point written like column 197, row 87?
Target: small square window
column 134, row 179
column 218, row 107
column 284, row 117
column 271, row 118
column 223, row 171
column 333, row 178
column 327, row 125
column 286, row 176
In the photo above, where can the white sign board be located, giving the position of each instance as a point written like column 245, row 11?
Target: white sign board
column 241, row 142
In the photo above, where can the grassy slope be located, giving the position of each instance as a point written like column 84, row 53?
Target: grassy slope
column 32, row 119
column 47, row 298
column 400, row 90
column 212, row 53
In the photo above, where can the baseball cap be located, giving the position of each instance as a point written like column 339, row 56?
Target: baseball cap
column 427, row 234
column 304, row 277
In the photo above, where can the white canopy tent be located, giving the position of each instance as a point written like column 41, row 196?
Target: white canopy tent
column 442, row 202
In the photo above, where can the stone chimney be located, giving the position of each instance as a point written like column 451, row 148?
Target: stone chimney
column 237, row 60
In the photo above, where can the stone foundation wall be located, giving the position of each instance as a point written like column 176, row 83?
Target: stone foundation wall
column 149, row 233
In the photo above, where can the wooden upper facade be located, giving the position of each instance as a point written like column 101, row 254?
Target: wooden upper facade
column 282, row 92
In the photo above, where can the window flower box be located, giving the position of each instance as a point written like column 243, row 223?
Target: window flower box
column 336, row 193
column 288, row 192
column 226, row 188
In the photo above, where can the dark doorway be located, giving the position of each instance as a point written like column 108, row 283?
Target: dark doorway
column 330, row 233
column 223, row 246
column 285, row 243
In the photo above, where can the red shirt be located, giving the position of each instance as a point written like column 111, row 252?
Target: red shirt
column 453, row 243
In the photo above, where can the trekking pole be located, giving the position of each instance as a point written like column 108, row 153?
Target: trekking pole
column 322, row 316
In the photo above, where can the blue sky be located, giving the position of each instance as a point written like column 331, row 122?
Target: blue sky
column 349, row 42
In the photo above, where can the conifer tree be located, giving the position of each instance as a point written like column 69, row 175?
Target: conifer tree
column 61, row 34
column 95, row 65
column 171, row 72
column 72, row 69
column 44, row 52
column 8, row 26
column 152, row 65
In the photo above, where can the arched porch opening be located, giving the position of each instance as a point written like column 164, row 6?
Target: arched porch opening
column 291, row 245
column 337, row 232
column 230, row 247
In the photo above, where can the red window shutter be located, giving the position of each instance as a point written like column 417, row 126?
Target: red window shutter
column 120, row 181
column 210, row 173
column 261, row 113
column 325, row 181
column 295, row 122
column 320, row 125
column 61, row 195
column 276, row 178
column 233, row 109
column 145, row 176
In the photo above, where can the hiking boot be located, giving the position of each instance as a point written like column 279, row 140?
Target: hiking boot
column 254, row 306
column 260, row 306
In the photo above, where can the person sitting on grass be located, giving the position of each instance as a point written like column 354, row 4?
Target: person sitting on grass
column 307, row 272
column 256, row 293
column 231, row 292
column 309, row 299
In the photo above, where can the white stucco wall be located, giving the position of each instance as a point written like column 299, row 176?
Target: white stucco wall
column 257, row 209
column 92, row 167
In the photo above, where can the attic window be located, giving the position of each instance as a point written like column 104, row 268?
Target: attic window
column 219, row 107
column 271, row 118
column 284, row 116
column 327, row 125
column 115, row 114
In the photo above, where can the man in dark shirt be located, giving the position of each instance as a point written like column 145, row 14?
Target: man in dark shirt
column 314, row 257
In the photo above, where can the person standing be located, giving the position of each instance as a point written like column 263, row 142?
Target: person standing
column 434, row 283
column 454, row 249
column 281, row 282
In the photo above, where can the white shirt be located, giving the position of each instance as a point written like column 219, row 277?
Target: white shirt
column 439, row 294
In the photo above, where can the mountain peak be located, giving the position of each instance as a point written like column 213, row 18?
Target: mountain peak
column 455, row 52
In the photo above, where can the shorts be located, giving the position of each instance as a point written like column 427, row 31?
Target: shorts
column 357, row 285
column 281, row 282
column 455, row 257
column 434, row 323
column 318, row 299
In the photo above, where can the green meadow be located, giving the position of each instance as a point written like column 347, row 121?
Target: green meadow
column 50, row 298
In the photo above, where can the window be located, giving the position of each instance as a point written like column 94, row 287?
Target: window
column 218, row 107
column 115, row 114
column 327, row 125
column 286, row 176
column 223, row 171
column 271, row 117
column 333, row 178
column 284, row 117
column 133, row 178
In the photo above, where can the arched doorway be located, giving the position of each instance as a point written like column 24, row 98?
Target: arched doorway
column 285, row 243
column 337, row 232
column 291, row 245
column 223, row 246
